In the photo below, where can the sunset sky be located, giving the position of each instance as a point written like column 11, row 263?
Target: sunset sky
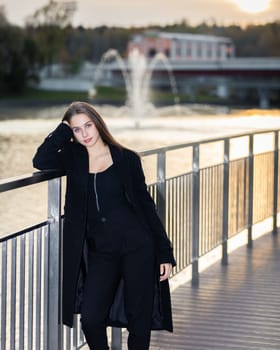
column 91, row 13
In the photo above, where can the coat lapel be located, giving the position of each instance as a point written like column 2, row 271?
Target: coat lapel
column 121, row 163
column 82, row 163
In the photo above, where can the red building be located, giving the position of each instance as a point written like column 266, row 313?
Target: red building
column 181, row 47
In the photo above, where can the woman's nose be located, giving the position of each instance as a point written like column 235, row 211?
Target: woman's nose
column 84, row 132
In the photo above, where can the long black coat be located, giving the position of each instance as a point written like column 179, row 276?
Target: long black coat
column 58, row 151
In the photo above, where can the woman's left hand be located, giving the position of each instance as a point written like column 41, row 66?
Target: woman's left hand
column 165, row 271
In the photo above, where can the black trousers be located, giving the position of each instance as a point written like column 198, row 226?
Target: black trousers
column 137, row 268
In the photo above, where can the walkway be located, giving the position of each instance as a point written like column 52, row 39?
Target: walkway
column 235, row 307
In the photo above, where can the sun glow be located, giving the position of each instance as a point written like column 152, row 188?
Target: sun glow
column 253, row 6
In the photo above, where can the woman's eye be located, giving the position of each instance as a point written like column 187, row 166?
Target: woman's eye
column 76, row 130
column 89, row 125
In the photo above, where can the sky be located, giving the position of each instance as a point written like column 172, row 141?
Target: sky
column 91, row 13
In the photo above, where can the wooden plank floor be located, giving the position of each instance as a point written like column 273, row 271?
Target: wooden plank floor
column 234, row 307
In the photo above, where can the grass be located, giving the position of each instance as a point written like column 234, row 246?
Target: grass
column 118, row 94
column 46, row 95
column 109, row 93
column 167, row 97
column 104, row 94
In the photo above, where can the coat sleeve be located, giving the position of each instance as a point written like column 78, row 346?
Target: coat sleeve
column 150, row 212
column 49, row 155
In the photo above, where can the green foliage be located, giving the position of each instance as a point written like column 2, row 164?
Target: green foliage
column 17, row 59
column 50, row 40
column 3, row 17
column 166, row 97
column 47, row 27
column 109, row 93
column 53, row 14
column 254, row 40
column 46, row 95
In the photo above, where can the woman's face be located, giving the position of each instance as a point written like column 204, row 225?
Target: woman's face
column 84, row 130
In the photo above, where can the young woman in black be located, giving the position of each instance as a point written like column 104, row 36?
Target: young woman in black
column 116, row 254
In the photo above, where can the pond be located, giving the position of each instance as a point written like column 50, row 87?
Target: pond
column 22, row 130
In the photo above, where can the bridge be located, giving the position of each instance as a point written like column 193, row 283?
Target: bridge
column 210, row 206
column 232, row 76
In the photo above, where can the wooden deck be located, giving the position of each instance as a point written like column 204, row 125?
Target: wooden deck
column 234, row 307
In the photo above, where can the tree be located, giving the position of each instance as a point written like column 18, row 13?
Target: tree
column 3, row 19
column 18, row 57
column 54, row 14
column 46, row 26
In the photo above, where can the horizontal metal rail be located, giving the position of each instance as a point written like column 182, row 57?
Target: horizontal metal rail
column 41, row 176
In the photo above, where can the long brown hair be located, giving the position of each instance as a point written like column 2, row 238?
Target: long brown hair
column 86, row 108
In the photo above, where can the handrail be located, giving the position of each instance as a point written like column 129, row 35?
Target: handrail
column 22, row 232
column 203, row 141
column 41, row 176
column 13, row 183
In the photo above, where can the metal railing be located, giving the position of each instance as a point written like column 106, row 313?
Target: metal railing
column 202, row 208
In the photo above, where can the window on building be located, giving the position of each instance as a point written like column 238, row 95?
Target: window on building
column 189, row 50
column 229, row 51
column 167, row 52
column 209, row 51
column 178, row 50
column 199, row 50
column 218, row 51
column 152, row 52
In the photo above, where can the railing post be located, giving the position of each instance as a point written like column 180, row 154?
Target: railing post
column 251, row 191
column 161, row 187
column 225, row 203
column 54, row 331
column 195, row 215
column 116, row 343
column 275, row 194
column 3, row 329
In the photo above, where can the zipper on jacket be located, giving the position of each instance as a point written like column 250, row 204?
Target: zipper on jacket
column 96, row 194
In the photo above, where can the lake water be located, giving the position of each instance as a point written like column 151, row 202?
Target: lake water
column 22, row 130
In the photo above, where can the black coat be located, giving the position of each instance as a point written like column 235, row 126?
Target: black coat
column 58, row 151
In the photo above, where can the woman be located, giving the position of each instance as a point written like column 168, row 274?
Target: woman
column 115, row 249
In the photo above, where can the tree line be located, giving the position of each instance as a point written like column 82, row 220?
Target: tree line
column 49, row 37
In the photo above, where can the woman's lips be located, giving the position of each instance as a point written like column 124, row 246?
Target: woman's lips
column 88, row 140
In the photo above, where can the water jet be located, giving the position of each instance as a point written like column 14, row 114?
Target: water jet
column 137, row 75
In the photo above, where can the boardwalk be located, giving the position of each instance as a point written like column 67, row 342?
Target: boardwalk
column 235, row 307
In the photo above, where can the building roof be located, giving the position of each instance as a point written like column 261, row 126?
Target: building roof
column 183, row 36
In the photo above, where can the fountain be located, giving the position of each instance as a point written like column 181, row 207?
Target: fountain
column 137, row 74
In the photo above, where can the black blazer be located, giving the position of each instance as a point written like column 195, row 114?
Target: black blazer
column 59, row 151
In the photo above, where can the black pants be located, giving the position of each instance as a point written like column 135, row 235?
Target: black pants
column 136, row 267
